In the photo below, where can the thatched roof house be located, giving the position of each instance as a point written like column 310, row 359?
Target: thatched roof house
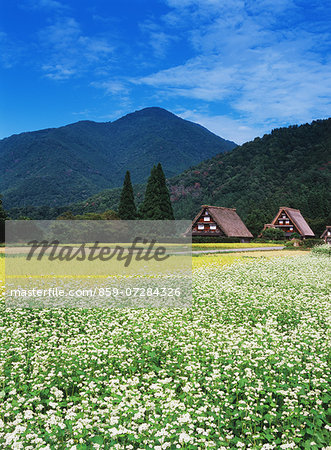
column 219, row 222
column 290, row 221
column 327, row 235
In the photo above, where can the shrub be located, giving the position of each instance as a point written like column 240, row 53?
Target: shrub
column 269, row 241
column 293, row 243
column 274, row 234
column 310, row 243
column 213, row 239
column 324, row 249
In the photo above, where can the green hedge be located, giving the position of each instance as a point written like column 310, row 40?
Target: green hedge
column 213, row 239
column 310, row 243
column 324, row 249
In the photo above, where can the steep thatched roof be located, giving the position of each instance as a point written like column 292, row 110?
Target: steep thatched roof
column 228, row 221
column 297, row 219
column 328, row 228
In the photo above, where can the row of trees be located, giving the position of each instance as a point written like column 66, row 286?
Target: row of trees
column 3, row 217
column 156, row 204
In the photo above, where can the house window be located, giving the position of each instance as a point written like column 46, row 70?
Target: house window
column 201, row 226
column 329, row 233
column 291, row 229
column 206, row 219
column 281, row 222
column 212, row 227
column 287, row 222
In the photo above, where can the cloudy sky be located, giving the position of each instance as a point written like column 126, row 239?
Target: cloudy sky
column 238, row 67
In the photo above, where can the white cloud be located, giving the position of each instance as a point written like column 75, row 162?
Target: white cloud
column 251, row 56
column 11, row 50
column 237, row 130
column 158, row 40
column 68, row 52
column 111, row 87
column 54, row 5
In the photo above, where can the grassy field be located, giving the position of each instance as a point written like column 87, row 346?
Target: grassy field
column 197, row 246
column 245, row 367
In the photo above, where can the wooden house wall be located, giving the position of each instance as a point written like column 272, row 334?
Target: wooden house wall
column 206, row 231
column 283, row 222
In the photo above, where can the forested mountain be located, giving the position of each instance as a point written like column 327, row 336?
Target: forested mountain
column 61, row 165
column 289, row 167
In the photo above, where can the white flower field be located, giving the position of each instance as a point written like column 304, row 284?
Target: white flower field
column 245, row 367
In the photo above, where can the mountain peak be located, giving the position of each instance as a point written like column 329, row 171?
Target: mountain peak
column 151, row 112
column 80, row 159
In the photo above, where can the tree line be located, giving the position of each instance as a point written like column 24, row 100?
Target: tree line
column 155, row 206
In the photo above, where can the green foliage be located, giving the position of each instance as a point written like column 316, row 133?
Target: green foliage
column 106, row 215
column 67, row 215
column 310, row 243
column 255, row 221
column 324, row 249
column 156, row 204
column 273, row 234
column 109, row 215
column 213, row 239
column 3, row 217
column 127, row 209
column 163, row 195
column 245, row 367
column 63, row 165
column 269, row 241
column 288, row 167
column 294, row 243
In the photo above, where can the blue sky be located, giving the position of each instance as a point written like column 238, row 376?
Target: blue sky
column 240, row 68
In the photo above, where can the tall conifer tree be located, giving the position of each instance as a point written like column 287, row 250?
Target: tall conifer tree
column 127, row 209
column 3, row 217
column 164, row 196
column 156, row 204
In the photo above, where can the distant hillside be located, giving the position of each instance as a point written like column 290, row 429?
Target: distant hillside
column 62, row 165
column 289, row 167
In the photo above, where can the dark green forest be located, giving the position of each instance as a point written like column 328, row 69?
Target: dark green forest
column 62, row 165
column 288, row 167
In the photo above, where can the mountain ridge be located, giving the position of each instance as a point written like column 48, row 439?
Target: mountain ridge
column 95, row 155
column 290, row 166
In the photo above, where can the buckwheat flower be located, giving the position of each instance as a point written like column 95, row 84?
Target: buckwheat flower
column 184, row 437
column 17, row 445
column 187, row 387
column 184, row 418
column 28, row 414
column 113, row 420
column 143, row 427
